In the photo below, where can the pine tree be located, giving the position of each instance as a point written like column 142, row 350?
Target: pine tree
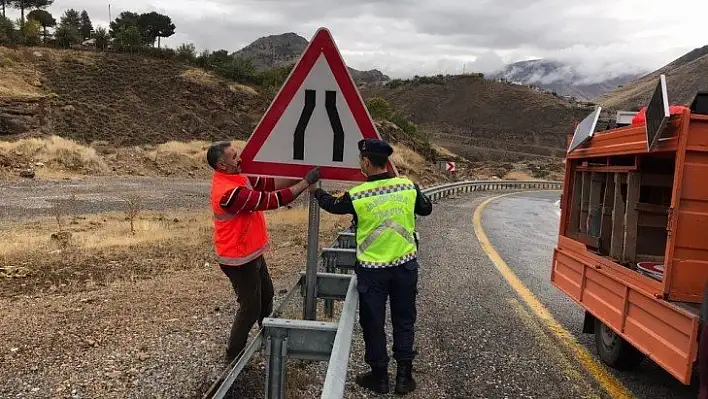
column 23, row 5
column 45, row 19
column 85, row 27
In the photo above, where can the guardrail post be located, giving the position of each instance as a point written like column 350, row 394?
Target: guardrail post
column 276, row 355
column 329, row 303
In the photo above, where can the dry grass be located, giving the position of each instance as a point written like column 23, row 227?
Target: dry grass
column 193, row 149
column 444, row 152
column 101, row 248
column 239, row 88
column 207, row 78
column 55, row 157
column 200, row 76
column 407, row 159
column 58, row 154
column 518, row 175
column 112, row 230
column 18, row 79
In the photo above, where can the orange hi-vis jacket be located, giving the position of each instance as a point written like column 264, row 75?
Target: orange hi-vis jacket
column 238, row 238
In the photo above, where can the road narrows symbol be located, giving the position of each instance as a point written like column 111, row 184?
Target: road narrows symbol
column 338, row 146
column 299, row 137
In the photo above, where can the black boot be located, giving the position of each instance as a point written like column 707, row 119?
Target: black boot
column 375, row 380
column 404, row 377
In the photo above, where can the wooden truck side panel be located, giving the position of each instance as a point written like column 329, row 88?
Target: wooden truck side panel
column 687, row 246
column 661, row 330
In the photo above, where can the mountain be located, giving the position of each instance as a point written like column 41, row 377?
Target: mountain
column 285, row 49
column 484, row 119
column 559, row 77
column 684, row 77
column 274, row 51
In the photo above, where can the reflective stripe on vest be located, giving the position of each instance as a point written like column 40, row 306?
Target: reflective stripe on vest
column 385, row 222
column 386, row 225
column 238, row 261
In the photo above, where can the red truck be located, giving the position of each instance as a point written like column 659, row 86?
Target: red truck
column 633, row 240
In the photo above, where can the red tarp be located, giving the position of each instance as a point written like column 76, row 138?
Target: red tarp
column 641, row 117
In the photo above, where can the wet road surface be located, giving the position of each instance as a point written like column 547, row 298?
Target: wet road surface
column 523, row 229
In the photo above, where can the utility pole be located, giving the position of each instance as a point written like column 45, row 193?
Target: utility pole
column 109, row 14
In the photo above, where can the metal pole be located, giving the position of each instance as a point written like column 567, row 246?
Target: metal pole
column 313, row 232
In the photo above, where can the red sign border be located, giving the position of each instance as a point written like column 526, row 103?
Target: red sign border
column 321, row 43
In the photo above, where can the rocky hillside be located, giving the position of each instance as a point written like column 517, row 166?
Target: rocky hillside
column 285, row 49
column 560, row 78
column 684, row 77
column 483, row 119
column 117, row 101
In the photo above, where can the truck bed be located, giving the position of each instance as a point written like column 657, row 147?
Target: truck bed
column 630, row 304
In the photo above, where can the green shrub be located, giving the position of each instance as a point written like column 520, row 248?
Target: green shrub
column 379, row 108
column 395, row 83
column 102, row 38
column 407, row 126
column 187, row 53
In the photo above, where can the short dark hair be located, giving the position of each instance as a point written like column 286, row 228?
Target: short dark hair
column 216, row 152
column 378, row 160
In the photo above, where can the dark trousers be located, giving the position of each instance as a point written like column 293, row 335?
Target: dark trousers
column 254, row 292
column 375, row 287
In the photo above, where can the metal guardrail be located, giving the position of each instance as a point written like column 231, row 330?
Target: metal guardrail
column 306, row 339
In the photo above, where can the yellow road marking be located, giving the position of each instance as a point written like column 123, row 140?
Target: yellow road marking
column 607, row 381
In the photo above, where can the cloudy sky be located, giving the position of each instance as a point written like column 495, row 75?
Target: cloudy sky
column 408, row 37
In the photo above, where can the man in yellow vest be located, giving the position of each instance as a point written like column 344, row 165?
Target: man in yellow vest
column 384, row 210
column 241, row 236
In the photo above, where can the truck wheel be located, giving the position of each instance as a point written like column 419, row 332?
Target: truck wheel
column 614, row 350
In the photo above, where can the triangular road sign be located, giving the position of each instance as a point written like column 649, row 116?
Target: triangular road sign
column 316, row 119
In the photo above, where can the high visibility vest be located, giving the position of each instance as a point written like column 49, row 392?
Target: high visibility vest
column 238, row 239
column 385, row 211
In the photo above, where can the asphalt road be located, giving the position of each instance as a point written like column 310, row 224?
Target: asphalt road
column 474, row 336
column 523, row 229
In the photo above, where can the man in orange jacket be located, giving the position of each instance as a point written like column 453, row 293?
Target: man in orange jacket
column 241, row 236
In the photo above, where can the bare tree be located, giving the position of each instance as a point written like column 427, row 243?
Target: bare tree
column 132, row 209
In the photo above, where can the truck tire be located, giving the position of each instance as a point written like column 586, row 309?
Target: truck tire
column 614, row 350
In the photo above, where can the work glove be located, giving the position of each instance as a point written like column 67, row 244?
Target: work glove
column 313, row 176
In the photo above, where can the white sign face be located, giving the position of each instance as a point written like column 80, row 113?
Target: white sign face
column 319, row 131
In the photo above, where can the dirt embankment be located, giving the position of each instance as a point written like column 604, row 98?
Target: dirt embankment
column 121, row 99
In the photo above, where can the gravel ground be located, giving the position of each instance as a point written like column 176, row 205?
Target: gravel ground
column 31, row 198
column 159, row 338
column 164, row 337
